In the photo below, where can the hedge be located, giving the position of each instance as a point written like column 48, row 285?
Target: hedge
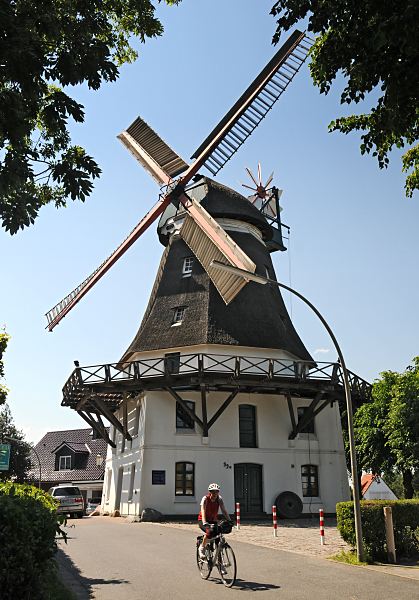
column 28, row 528
column 405, row 522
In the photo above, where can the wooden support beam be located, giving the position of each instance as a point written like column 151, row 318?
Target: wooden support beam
column 99, row 428
column 322, row 406
column 99, row 418
column 308, row 417
column 101, row 406
column 185, row 407
column 334, row 378
column 83, row 401
column 222, row 407
column 102, row 426
column 204, row 410
column 291, row 411
column 125, row 414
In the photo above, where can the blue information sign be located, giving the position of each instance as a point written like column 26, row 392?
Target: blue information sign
column 4, row 457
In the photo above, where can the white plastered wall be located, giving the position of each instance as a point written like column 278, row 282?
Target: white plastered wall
column 158, row 446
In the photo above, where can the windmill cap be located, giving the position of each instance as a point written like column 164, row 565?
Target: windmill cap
column 221, row 202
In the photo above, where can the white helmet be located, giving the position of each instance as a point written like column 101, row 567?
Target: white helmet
column 213, row 487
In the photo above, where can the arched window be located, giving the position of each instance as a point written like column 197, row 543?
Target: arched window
column 310, row 480
column 247, row 426
column 185, row 479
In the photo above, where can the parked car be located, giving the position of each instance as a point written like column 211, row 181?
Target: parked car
column 70, row 499
column 91, row 506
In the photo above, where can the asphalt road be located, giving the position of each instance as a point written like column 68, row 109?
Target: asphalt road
column 116, row 560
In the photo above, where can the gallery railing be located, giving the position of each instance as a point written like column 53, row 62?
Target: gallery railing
column 237, row 367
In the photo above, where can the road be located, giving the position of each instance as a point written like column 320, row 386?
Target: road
column 117, row 560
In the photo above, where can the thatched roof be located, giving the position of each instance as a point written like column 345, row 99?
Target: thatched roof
column 257, row 317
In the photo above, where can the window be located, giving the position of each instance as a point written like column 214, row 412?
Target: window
column 60, row 492
column 310, row 480
column 65, row 463
column 247, row 426
column 172, row 363
column 184, row 421
column 178, row 314
column 131, row 482
column 185, row 479
column 187, row 266
column 301, row 414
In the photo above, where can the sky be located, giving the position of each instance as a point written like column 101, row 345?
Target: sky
column 353, row 246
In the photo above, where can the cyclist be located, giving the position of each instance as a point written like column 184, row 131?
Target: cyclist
column 211, row 504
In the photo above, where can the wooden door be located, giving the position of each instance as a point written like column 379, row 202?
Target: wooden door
column 248, row 488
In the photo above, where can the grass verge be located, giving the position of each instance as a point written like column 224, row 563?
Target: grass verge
column 348, row 557
column 53, row 587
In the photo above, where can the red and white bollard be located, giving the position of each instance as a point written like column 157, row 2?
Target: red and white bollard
column 275, row 522
column 238, row 515
column 321, row 526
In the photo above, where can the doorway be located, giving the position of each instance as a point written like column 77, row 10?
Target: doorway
column 248, row 488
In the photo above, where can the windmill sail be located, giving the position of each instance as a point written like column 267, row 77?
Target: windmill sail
column 59, row 311
column 152, row 152
column 249, row 110
column 208, row 241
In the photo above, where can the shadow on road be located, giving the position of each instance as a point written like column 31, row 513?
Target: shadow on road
column 82, row 587
column 253, row 586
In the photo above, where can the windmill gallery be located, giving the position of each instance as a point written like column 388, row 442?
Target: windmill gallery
column 216, row 384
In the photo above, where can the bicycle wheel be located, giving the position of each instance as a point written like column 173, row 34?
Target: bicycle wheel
column 227, row 565
column 204, row 564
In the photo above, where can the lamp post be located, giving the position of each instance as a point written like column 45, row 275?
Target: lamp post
column 16, row 441
column 354, row 470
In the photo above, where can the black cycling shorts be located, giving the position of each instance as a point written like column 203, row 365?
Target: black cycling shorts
column 210, row 531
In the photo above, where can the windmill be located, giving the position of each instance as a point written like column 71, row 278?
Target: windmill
column 205, row 237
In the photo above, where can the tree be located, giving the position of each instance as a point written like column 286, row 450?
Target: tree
column 387, row 428
column 376, row 47
column 19, row 457
column 46, row 47
column 4, row 338
column 20, row 461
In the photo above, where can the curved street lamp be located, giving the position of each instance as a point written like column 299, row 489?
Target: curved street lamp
column 354, row 470
column 16, row 441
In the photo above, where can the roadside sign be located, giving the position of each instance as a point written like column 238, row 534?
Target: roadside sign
column 4, row 457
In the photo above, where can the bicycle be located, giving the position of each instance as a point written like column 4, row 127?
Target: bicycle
column 218, row 552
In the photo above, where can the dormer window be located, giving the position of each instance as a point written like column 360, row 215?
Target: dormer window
column 65, row 463
column 187, row 266
column 178, row 315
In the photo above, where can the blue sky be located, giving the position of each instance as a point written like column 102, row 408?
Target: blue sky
column 354, row 243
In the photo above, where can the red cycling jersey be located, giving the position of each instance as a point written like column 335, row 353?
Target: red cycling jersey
column 211, row 508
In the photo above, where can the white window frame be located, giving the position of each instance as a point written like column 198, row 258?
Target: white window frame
column 178, row 315
column 64, row 468
column 187, row 266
